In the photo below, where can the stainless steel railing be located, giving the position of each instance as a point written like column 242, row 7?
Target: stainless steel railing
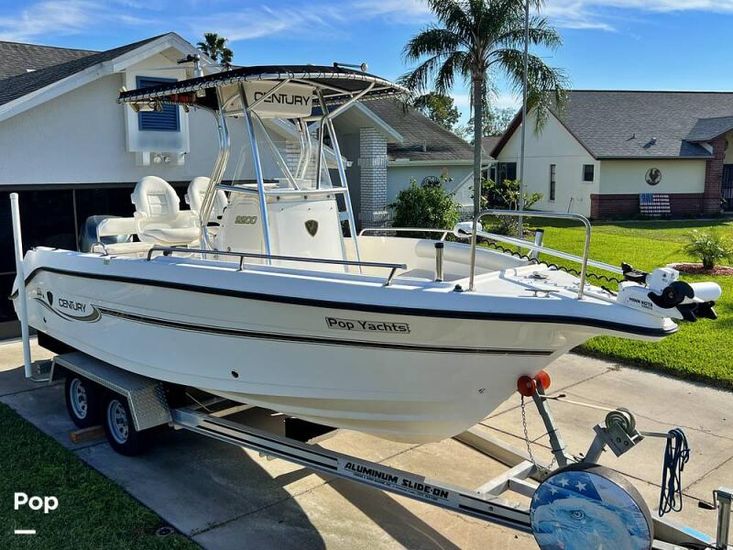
column 533, row 214
column 168, row 250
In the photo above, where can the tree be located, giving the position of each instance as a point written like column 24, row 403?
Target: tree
column 427, row 206
column 215, row 47
column 495, row 121
column 508, row 195
column 438, row 108
column 478, row 37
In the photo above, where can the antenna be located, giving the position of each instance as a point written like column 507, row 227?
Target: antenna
column 362, row 67
column 198, row 71
column 522, row 155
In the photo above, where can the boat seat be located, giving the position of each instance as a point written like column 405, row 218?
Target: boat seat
column 195, row 198
column 158, row 215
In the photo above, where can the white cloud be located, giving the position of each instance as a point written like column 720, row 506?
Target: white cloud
column 60, row 17
column 316, row 19
column 408, row 11
column 311, row 20
column 67, row 17
column 600, row 14
column 251, row 23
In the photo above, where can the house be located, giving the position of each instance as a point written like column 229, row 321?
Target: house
column 616, row 154
column 72, row 151
column 391, row 145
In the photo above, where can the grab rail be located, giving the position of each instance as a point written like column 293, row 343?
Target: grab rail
column 533, row 214
column 282, row 191
column 547, row 250
column 168, row 250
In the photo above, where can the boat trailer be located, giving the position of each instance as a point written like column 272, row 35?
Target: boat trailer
column 577, row 491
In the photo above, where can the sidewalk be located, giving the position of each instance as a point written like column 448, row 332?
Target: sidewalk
column 221, row 496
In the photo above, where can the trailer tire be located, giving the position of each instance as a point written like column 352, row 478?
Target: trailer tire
column 119, row 427
column 83, row 400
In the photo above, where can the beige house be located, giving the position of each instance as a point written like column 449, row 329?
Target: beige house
column 615, row 154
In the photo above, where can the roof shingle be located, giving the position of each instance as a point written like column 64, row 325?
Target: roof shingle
column 643, row 124
column 18, row 58
column 423, row 138
column 630, row 124
column 17, row 86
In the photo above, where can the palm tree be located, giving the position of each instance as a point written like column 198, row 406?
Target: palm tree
column 215, row 47
column 475, row 40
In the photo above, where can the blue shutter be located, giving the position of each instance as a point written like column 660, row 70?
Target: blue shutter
column 161, row 121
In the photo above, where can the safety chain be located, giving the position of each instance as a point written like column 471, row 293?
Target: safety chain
column 550, row 264
column 527, row 441
column 526, row 433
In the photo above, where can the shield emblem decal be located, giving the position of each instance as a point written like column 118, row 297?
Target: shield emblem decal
column 312, row 227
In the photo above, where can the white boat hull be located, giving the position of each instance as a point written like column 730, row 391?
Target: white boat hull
column 404, row 377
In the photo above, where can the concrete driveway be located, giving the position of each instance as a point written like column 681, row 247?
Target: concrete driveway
column 224, row 497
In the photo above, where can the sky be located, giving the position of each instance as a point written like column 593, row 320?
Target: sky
column 607, row 44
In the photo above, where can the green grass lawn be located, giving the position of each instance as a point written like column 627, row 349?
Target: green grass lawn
column 702, row 350
column 93, row 512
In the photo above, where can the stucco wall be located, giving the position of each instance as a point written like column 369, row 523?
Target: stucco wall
column 628, row 176
column 80, row 137
column 554, row 145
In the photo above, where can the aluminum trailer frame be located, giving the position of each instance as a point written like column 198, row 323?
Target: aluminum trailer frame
column 149, row 408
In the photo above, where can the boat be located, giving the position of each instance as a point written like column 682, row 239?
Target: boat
column 264, row 293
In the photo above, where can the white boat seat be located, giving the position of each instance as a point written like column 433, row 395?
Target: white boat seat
column 172, row 235
column 195, row 198
column 158, row 215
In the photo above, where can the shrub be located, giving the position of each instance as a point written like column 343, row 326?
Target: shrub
column 428, row 206
column 505, row 195
column 708, row 247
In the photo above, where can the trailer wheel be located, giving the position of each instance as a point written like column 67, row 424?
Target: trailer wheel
column 83, row 399
column 120, row 429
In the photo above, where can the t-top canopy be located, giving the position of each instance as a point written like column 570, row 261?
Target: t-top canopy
column 335, row 83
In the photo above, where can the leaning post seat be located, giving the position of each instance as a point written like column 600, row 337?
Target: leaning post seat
column 158, row 215
column 195, row 198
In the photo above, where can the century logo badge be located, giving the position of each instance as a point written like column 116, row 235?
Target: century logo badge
column 284, row 99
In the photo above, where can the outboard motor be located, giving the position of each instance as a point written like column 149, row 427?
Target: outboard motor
column 662, row 293
column 88, row 234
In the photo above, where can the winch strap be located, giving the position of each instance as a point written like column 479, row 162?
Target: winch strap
column 676, row 455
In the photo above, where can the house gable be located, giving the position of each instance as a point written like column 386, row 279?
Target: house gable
column 553, row 145
column 25, row 91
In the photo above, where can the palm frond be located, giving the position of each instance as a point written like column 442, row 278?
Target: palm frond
column 418, row 79
column 457, row 63
column 431, row 41
column 540, row 34
column 453, row 15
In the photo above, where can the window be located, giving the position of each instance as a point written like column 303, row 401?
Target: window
column 552, row 182
column 588, row 172
column 506, row 171
column 166, row 120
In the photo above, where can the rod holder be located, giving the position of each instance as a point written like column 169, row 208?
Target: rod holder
column 723, row 496
column 439, row 261
column 20, row 279
column 539, row 237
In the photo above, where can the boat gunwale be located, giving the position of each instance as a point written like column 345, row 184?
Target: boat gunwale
column 370, row 308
